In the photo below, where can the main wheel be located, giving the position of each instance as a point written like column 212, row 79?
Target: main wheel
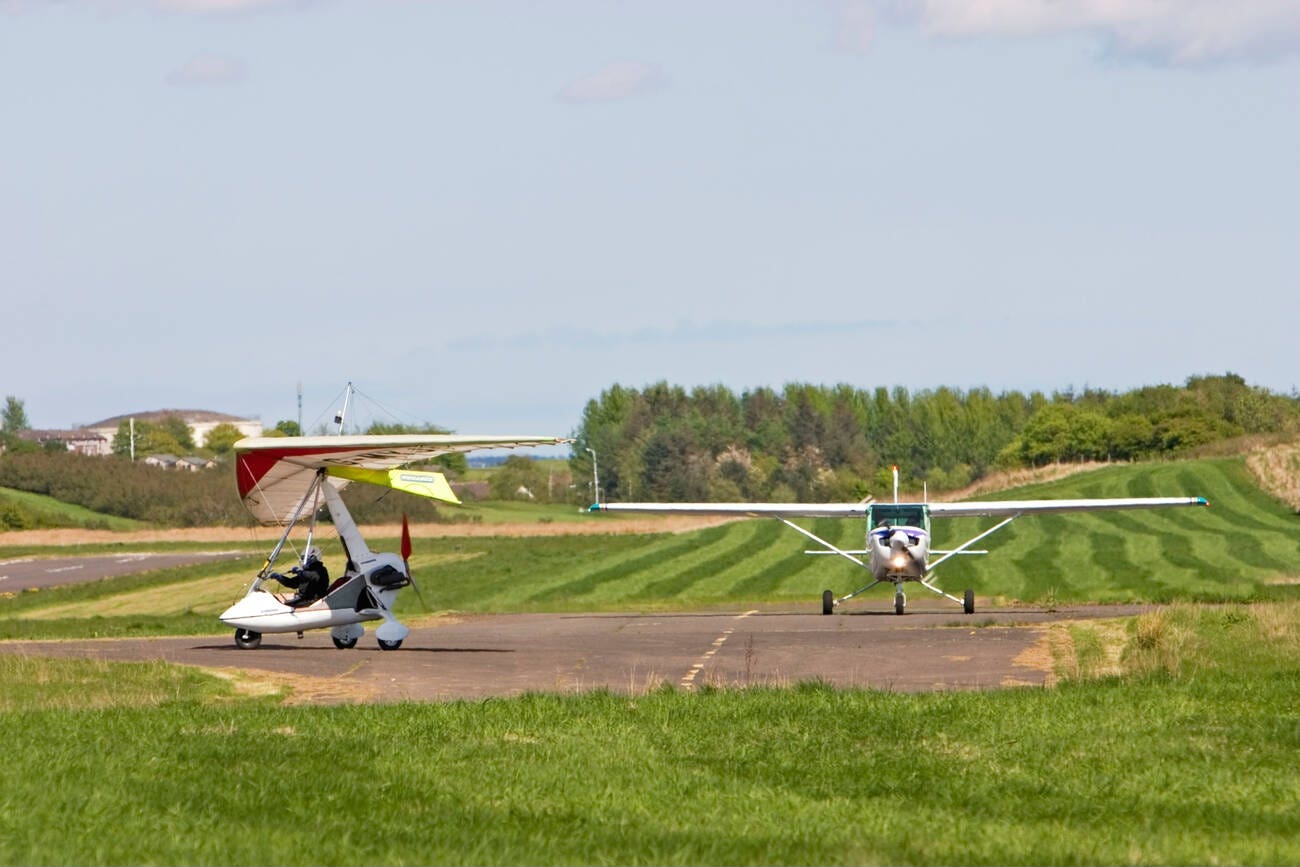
column 968, row 602
column 828, row 602
column 900, row 603
column 344, row 643
column 389, row 645
column 247, row 639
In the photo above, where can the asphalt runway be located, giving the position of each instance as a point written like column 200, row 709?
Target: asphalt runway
column 480, row 656
column 40, row 573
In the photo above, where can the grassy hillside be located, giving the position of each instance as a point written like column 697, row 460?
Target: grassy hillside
column 1246, row 545
column 21, row 510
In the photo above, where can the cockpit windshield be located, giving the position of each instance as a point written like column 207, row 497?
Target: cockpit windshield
column 899, row 515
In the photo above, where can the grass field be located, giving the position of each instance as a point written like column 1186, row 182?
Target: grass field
column 1188, row 757
column 1246, row 546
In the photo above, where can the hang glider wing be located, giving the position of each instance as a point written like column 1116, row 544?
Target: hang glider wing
column 996, row 508
column 751, row 510
column 273, row 474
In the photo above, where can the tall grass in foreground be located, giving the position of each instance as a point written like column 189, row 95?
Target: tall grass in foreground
column 1184, row 763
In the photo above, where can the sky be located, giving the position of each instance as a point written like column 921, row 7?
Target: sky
column 485, row 213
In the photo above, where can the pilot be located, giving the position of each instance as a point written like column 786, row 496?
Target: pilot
column 311, row 580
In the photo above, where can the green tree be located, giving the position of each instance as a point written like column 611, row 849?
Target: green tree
column 287, row 428
column 15, row 416
column 150, row 439
column 519, row 478
column 178, row 430
column 222, row 438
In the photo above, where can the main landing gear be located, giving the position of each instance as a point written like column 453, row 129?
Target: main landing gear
column 900, row 599
column 247, row 639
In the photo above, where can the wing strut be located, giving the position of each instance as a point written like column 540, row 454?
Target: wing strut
column 832, row 550
column 312, row 492
column 963, row 546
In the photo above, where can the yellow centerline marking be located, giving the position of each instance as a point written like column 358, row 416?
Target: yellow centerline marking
column 688, row 679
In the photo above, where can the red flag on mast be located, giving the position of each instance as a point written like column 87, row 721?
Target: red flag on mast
column 406, row 539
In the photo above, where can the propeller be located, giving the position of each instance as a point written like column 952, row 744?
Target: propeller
column 406, row 561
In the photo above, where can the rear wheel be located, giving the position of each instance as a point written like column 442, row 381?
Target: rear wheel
column 389, row 645
column 968, row 602
column 828, row 602
column 345, row 643
column 247, row 639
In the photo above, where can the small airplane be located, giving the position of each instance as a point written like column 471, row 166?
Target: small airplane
column 283, row 480
column 898, row 534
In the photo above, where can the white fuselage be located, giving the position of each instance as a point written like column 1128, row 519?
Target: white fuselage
column 355, row 598
column 898, row 553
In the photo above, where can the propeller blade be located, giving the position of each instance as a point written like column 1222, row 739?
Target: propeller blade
column 406, row 558
column 416, row 587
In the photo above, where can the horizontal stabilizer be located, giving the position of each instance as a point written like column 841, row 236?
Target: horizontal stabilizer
column 421, row 483
column 860, row 552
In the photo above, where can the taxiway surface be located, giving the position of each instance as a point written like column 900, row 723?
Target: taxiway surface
column 479, row 656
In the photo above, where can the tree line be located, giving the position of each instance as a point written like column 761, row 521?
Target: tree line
column 826, row 443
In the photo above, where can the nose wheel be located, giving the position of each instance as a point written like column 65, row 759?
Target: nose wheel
column 900, row 601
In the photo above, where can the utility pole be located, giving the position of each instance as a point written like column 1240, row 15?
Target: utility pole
column 595, row 478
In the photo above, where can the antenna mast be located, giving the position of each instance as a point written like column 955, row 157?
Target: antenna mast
column 347, row 396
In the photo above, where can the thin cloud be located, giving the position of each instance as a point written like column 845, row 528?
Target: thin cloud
column 1180, row 32
column 853, row 28
column 613, row 82
column 679, row 335
column 219, row 6
column 207, row 70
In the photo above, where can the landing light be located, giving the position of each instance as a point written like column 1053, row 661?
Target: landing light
column 900, row 561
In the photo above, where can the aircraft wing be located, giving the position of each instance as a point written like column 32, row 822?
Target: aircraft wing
column 938, row 510
column 751, row 510
column 994, row 508
column 274, row 473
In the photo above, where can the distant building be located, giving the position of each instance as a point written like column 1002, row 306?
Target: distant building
column 201, row 422
column 470, row 490
column 83, row 441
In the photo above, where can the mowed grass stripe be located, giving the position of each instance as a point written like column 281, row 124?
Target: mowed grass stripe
column 675, row 554
column 1127, row 580
column 794, row 574
column 686, row 584
column 712, row 582
column 511, row 570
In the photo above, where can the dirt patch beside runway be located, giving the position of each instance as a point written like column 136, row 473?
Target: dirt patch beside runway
column 481, row 656
column 266, row 536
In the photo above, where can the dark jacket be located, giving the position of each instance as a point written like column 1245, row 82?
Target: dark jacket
column 312, row 581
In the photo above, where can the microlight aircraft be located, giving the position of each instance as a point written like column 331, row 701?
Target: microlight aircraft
column 898, row 534
column 283, row 480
